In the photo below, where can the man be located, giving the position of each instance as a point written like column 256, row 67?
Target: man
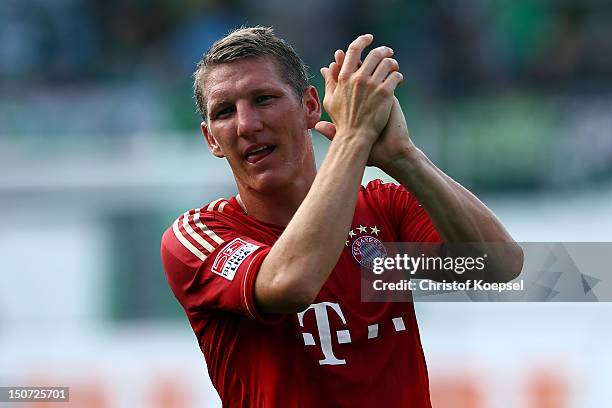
column 270, row 278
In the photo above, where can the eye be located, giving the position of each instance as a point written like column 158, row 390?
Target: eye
column 223, row 113
column 264, row 98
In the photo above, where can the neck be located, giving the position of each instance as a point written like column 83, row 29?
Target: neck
column 276, row 207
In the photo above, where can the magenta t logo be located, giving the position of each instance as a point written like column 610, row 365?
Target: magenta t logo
column 322, row 320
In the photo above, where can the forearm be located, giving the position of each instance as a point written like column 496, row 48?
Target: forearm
column 359, row 99
column 301, row 260
column 457, row 214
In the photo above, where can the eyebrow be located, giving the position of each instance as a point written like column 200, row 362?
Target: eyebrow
column 213, row 106
column 221, row 100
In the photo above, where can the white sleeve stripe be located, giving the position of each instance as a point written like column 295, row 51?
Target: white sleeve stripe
column 185, row 242
column 211, row 206
column 222, row 206
column 196, row 237
column 206, row 230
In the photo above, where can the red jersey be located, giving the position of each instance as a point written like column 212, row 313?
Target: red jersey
column 340, row 352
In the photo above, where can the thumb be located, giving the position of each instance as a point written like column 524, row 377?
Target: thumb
column 327, row 129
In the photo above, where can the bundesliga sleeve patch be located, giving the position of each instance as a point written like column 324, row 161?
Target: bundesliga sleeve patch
column 231, row 257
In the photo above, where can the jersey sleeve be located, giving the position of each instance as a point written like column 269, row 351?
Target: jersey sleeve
column 211, row 266
column 404, row 211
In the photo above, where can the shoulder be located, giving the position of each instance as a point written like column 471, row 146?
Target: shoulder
column 380, row 185
column 196, row 233
column 378, row 189
column 389, row 196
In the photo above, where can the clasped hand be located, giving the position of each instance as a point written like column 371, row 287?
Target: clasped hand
column 360, row 96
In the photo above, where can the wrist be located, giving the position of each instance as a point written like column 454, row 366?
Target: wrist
column 407, row 159
column 360, row 134
column 358, row 139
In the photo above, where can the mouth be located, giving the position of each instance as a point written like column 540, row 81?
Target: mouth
column 257, row 153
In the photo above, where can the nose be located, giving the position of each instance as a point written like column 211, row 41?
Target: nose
column 249, row 121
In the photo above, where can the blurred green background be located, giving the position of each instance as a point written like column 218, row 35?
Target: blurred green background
column 100, row 150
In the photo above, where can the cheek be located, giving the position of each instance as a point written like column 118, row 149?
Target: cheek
column 225, row 142
column 291, row 117
column 300, row 151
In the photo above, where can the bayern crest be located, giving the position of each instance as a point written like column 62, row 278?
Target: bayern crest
column 366, row 248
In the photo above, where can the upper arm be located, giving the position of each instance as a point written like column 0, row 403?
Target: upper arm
column 407, row 215
column 415, row 224
column 210, row 266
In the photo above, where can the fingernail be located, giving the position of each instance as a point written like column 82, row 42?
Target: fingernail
column 390, row 50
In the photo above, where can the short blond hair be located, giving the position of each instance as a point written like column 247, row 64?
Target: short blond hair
column 250, row 42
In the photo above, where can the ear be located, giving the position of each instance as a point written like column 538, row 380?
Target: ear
column 312, row 106
column 212, row 143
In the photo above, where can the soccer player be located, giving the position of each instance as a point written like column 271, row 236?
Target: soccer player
column 270, row 278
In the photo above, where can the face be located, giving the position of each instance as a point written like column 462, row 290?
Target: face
column 259, row 125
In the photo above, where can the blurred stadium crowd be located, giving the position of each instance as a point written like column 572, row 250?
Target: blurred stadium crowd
column 453, row 47
column 100, row 149
column 107, row 68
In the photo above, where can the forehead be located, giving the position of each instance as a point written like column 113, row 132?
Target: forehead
column 231, row 80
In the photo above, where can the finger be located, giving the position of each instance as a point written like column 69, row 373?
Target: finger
column 339, row 57
column 353, row 54
column 323, row 72
column 393, row 80
column 384, row 68
column 330, row 85
column 327, row 129
column 334, row 71
column 374, row 58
